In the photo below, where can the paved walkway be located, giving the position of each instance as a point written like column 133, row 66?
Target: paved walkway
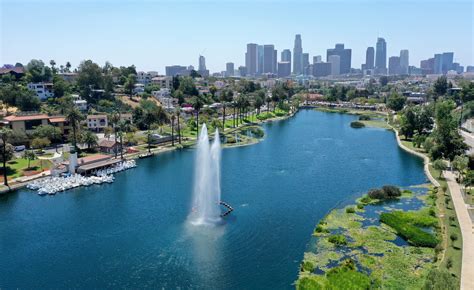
column 466, row 225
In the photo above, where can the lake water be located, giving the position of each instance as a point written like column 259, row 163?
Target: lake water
column 134, row 233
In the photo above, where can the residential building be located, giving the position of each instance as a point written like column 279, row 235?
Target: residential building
column 298, row 56
column 139, row 89
column 68, row 76
column 404, row 61
column 335, row 61
column 284, row 69
column 80, row 103
column 251, row 59
column 27, row 123
column 15, row 71
column 344, row 54
column 242, row 71
column 162, row 81
column 145, row 77
column 370, row 58
column 470, row 68
column 381, row 56
column 42, row 90
column 109, row 146
column 97, row 122
column 229, row 69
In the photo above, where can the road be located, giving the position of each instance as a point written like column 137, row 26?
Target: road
column 469, row 139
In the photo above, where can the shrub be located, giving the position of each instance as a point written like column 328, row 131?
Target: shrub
column 440, row 279
column 376, row 194
column 449, row 263
column 365, row 199
column 320, row 229
column 307, row 266
column 357, row 124
column 391, row 191
column 408, row 231
column 364, row 118
column 338, row 240
column 360, row 206
column 453, row 237
column 432, row 212
column 350, row 210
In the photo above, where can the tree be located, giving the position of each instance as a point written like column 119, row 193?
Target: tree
column 173, row 117
column 130, row 85
column 124, row 127
column 68, row 66
column 90, row 139
column 187, row 86
column 440, row 86
column 59, row 86
column 37, row 72
column 89, row 77
column 396, row 102
column 50, row 132
column 178, row 113
column 225, row 97
column 29, row 155
column 383, row 81
column 198, row 103
column 74, row 117
column 460, row 164
column 7, row 151
column 53, row 68
column 114, row 121
column 40, row 143
column 439, row 165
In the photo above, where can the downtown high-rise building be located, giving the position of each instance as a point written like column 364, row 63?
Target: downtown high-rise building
column 251, row 59
column 404, row 62
column 370, row 58
column 269, row 58
column 345, row 55
column 306, row 64
column 381, row 56
column 317, row 59
column 286, row 56
column 447, row 62
column 202, row 63
column 394, row 65
column 298, row 56
column 229, row 69
column 438, row 63
column 259, row 59
column 284, row 69
column 335, row 61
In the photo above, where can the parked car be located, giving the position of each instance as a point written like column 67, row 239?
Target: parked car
column 20, row 148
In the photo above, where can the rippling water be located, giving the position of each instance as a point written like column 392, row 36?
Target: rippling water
column 135, row 233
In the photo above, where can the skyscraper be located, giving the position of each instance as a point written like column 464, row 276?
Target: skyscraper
column 344, row 54
column 298, row 56
column 394, row 65
column 284, row 69
column 381, row 56
column 317, row 59
column 438, row 64
column 269, row 56
column 251, row 59
column 335, row 61
column 229, row 69
column 259, row 59
column 404, row 61
column 286, row 55
column 447, row 64
column 369, row 58
column 202, row 63
column 306, row 63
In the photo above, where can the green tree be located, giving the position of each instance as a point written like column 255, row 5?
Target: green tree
column 89, row 138
column 383, row 81
column 50, row 132
column 7, row 151
column 40, row 143
column 130, row 85
column 396, row 102
column 198, row 103
column 439, row 165
column 225, row 97
column 74, row 117
column 460, row 164
column 29, row 155
column 37, row 72
column 187, row 86
column 440, row 86
column 89, row 78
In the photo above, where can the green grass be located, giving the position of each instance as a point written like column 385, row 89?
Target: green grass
column 406, row 224
column 16, row 167
column 409, row 144
column 377, row 124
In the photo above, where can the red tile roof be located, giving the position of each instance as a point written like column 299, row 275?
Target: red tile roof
column 26, row 117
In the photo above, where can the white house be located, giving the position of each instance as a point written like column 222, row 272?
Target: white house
column 43, row 90
column 97, row 122
column 139, row 89
column 163, row 82
column 145, row 77
column 80, row 103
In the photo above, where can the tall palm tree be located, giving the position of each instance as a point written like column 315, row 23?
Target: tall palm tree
column 4, row 135
column 173, row 117
column 226, row 96
column 124, row 126
column 114, row 119
column 74, row 117
column 178, row 112
column 198, row 103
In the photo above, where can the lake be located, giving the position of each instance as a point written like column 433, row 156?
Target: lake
column 135, row 232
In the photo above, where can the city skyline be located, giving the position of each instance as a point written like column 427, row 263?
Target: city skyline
column 153, row 53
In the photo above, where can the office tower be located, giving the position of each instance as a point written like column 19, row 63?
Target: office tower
column 394, row 65
column 242, row 71
column 305, row 63
column 251, row 59
column 175, row 70
column 286, row 56
column 344, row 56
column 229, row 69
column 335, row 61
column 321, row 69
column 259, row 59
column 404, row 61
column 470, row 68
column 269, row 58
column 275, row 61
column 438, row 64
column 317, row 59
column 297, row 56
column 369, row 58
column 202, row 63
column 284, row 69
column 381, row 56
column 447, row 62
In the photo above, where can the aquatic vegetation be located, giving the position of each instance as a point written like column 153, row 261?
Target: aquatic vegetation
column 338, row 240
column 357, row 124
column 407, row 226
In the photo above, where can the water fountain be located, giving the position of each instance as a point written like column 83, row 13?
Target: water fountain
column 207, row 188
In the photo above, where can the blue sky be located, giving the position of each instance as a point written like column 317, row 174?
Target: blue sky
column 153, row 34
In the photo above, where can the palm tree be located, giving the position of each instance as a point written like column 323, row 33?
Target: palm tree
column 90, row 139
column 149, row 135
column 177, row 112
column 198, row 103
column 173, row 117
column 4, row 135
column 124, row 126
column 74, row 117
column 226, row 96
column 114, row 120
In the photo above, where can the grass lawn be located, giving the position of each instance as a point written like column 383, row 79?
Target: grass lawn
column 377, row 124
column 17, row 167
column 409, row 144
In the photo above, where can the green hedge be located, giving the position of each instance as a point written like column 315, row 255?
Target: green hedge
column 407, row 230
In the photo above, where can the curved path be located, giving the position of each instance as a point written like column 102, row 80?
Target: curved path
column 466, row 225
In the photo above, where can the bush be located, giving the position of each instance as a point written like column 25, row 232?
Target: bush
column 449, row 263
column 365, row 199
column 391, row 191
column 320, row 229
column 307, row 266
column 360, row 206
column 376, row 194
column 338, row 240
column 357, row 124
column 438, row 279
column 350, row 210
column 364, row 118
column 453, row 237
column 407, row 230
